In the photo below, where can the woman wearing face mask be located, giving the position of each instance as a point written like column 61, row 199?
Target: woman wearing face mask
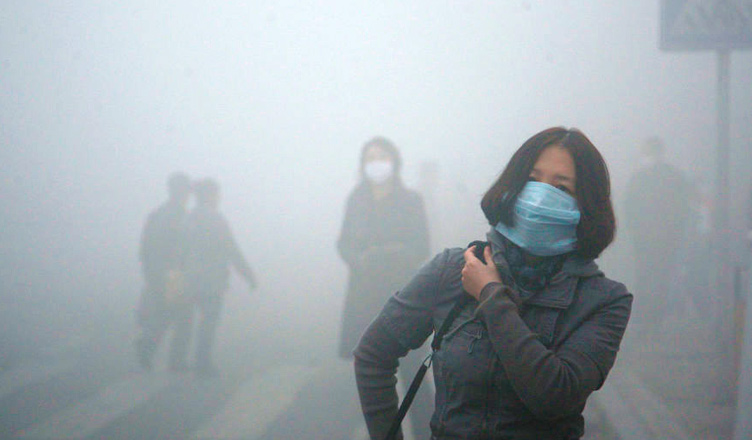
column 383, row 241
column 539, row 325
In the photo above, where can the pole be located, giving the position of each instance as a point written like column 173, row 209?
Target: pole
column 743, row 424
column 723, row 272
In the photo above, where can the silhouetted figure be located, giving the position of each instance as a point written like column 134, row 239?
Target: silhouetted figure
column 657, row 215
column 162, row 302
column 384, row 239
column 210, row 251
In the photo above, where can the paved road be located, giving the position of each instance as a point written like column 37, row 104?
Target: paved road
column 86, row 385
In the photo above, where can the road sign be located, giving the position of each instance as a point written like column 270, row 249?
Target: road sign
column 706, row 24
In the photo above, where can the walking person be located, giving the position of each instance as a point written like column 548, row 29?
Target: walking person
column 162, row 303
column 539, row 325
column 210, row 252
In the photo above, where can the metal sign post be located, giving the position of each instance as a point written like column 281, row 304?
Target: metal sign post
column 743, row 425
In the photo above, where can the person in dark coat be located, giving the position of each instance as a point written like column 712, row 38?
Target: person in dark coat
column 210, row 252
column 384, row 239
column 539, row 325
column 657, row 216
column 162, row 267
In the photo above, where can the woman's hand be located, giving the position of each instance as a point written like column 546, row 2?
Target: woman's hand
column 476, row 275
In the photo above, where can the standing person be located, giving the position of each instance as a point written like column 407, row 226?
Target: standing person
column 539, row 325
column 162, row 268
column 658, row 207
column 210, row 251
column 384, row 239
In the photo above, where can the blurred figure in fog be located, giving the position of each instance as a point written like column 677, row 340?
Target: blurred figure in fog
column 698, row 272
column 210, row 250
column 657, row 214
column 161, row 303
column 384, row 239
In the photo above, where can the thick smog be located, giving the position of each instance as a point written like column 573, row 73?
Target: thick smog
column 235, row 219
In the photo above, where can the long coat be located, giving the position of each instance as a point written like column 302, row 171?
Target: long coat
column 383, row 242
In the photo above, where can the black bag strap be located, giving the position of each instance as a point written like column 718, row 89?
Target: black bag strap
column 435, row 345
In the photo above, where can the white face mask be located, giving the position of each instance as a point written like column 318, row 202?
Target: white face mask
column 378, row 171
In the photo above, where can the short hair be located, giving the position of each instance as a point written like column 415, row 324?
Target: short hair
column 178, row 184
column 206, row 189
column 390, row 149
column 597, row 225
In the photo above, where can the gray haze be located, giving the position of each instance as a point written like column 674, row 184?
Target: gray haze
column 100, row 100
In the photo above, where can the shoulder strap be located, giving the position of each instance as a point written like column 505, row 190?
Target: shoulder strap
column 418, row 379
column 456, row 309
column 435, row 345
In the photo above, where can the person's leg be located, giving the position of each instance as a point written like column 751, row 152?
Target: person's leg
column 153, row 322
column 182, row 316
column 210, row 312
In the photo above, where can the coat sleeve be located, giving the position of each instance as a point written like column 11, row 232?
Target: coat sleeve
column 234, row 254
column 348, row 246
column 404, row 323
column 555, row 383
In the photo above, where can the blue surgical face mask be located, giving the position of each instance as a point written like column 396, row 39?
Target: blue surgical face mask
column 545, row 220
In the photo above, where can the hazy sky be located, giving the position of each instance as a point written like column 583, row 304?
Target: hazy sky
column 100, row 100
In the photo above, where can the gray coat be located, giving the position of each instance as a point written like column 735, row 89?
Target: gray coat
column 210, row 251
column 503, row 371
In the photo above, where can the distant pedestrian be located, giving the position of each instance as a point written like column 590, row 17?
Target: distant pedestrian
column 162, row 303
column 657, row 217
column 384, row 239
column 210, row 252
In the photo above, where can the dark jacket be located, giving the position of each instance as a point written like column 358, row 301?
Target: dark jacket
column 503, row 371
column 161, row 241
column 210, row 251
column 383, row 242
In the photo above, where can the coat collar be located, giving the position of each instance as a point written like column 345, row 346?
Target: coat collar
column 559, row 292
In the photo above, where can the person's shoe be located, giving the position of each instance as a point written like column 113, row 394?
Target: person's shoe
column 207, row 371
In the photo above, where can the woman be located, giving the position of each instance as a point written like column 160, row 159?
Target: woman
column 384, row 240
column 544, row 324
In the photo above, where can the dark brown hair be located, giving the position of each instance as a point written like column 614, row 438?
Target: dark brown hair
column 205, row 190
column 593, row 189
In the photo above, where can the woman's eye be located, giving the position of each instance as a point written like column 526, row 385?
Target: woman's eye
column 565, row 189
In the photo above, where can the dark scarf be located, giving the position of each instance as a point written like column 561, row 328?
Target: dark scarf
column 531, row 278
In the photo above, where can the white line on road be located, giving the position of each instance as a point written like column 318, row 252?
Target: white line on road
column 86, row 417
column 248, row 414
column 27, row 374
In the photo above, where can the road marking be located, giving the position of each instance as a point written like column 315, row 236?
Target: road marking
column 248, row 414
column 94, row 413
column 27, row 374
